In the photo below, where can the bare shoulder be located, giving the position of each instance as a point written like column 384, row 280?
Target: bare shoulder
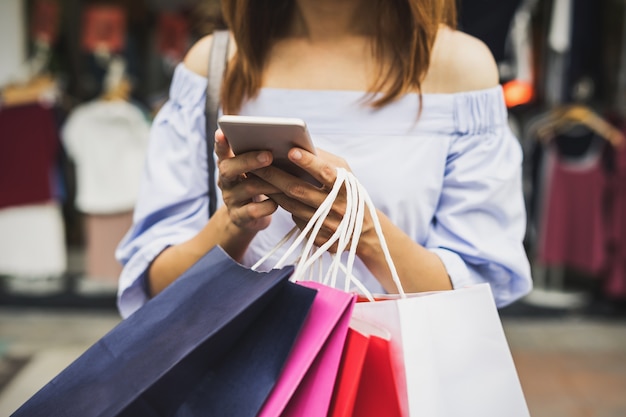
column 197, row 59
column 460, row 62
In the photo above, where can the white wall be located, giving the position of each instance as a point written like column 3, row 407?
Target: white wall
column 12, row 43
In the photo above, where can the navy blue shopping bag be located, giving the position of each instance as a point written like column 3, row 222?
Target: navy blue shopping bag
column 220, row 332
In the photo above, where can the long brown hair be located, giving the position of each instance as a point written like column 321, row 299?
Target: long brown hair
column 405, row 32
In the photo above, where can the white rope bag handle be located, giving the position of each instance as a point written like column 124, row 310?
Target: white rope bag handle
column 347, row 234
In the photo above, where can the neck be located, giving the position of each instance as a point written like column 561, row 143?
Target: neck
column 328, row 20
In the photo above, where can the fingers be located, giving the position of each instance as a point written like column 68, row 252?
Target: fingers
column 301, row 198
column 244, row 177
column 297, row 208
column 222, row 149
column 241, row 191
column 304, row 212
column 322, row 166
column 254, row 215
column 245, row 190
column 293, row 187
column 233, row 168
column 321, row 170
column 246, row 208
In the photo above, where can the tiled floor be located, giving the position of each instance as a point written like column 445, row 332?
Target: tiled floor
column 571, row 367
column 568, row 367
column 573, row 384
column 50, row 340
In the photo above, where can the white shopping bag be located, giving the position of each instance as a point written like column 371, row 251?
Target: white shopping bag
column 450, row 354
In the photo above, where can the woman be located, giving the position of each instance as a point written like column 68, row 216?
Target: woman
column 388, row 90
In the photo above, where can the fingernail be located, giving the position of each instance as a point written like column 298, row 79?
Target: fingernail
column 296, row 154
column 263, row 157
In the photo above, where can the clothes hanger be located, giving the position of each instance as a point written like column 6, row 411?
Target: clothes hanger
column 40, row 89
column 116, row 84
column 120, row 92
column 43, row 89
column 564, row 118
column 34, row 84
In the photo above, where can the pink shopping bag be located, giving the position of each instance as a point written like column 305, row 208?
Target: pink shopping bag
column 305, row 386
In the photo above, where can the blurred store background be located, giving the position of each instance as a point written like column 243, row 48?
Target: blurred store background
column 80, row 82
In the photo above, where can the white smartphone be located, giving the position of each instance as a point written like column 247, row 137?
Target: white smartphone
column 275, row 134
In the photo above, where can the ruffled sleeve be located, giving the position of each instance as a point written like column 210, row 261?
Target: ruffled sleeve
column 172, row 204
column 480, row 222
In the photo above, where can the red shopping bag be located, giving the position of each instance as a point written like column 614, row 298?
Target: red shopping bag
column 377, row 395
column 365, row 384
column 349, row 375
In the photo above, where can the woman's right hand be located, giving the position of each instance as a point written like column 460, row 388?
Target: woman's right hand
column 244, row 195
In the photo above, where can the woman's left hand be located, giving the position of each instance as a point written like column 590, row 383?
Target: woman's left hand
column 302, row 198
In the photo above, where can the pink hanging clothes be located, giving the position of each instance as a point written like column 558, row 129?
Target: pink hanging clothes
column 573, row 227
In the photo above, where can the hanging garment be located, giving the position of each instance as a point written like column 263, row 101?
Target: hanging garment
column 29, row 146
column 107, row 141
column 102, row 235
column 573, row 226
column 32, row 241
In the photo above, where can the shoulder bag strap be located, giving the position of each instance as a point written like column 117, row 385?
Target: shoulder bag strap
column 217, row 64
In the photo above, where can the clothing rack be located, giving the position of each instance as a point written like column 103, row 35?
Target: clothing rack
column 549, row 281
column 568, row 94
